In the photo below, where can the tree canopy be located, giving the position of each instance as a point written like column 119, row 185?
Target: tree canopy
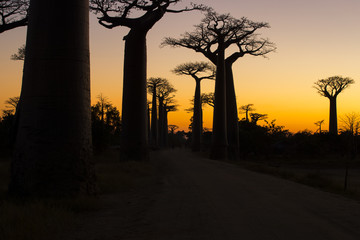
column 240, row 32
column 13, row 14
column 128, row 12
column 332, row 86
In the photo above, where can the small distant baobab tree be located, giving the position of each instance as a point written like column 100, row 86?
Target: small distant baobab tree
column 319, row 124
column 255, row 117
column 212, row 37
column 13, row 14
column 330, row 88
column 152, row 86
column 166, row 104
column 198, row 71
column 247, row 109
column 140, row 17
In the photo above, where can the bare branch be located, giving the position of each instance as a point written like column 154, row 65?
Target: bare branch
column 205, row 37
column 13, row 14
column 331, row 87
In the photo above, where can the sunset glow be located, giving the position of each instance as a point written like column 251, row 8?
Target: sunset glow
column 314, row 39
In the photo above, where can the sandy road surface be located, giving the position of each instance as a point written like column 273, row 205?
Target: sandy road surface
column 203, row 199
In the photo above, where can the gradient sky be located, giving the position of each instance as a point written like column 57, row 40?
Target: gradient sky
column 314, row 39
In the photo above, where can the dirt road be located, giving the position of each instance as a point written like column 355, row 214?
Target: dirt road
column 202, row 199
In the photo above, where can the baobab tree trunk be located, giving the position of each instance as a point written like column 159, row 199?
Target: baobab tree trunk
column 148, row 122
column 231, row 114
column 219, row 148
column 53, row 149
column 166, row 127
column 154, row 121
column 333, row 129
column 197, row 119
column 134, row 144
column 161, row 122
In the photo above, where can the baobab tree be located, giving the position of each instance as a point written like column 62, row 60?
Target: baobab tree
column 166, row 104
column 152, row 86
column 198, row 71
column 53, row 148
column 255, row 117
column 247, row 109
column 208, row 98
column 13, row 14
column 212, row 37
column 330, row 88
column 140, row 16
column 319, row 124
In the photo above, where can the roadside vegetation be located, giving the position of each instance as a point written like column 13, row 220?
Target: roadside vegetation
column 51, row 218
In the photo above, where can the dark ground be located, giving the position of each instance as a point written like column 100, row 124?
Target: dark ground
column 197, row 198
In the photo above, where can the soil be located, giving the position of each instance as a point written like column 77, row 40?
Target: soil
column 197, row 198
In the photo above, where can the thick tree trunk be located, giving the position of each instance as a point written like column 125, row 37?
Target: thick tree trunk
column 134, row 144
column 148, row 122
column 197, row 119
column 231, row 115
column 154, row 121
column 219, row 149
column 53, row 149
column 166, row 127
column 333, row 128
column 161, row 122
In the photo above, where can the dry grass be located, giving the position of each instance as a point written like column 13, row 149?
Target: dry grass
column 311, row 176
column 47, row 219
column 34, row 220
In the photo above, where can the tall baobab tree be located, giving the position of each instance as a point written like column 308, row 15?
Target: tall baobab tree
column 212, row 37
column 53, row 149
column 152, row 86
column 198, row 71
column 166, row 104
column 140, row 16
column 330, row 88
column 13, row 14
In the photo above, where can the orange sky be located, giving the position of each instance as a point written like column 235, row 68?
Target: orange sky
column 315, row 39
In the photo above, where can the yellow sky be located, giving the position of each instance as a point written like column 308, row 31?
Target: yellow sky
column 315, row 39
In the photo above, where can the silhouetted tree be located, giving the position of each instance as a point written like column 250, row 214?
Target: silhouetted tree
column 140, row 17
column 12, row 103
column 13, row 14
column 20, row 55
column 319, row 123
column 350, row 123
column 255, row 117
column 7, row 120
column 208, row 98
column 198, row 71
column 274, row 129
column 212, row 36
column 166, row 103
column 331, row 87
column 53, row 150
column 172, row 128
column 247, row 109
column 152, row 85
column 106, row 123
